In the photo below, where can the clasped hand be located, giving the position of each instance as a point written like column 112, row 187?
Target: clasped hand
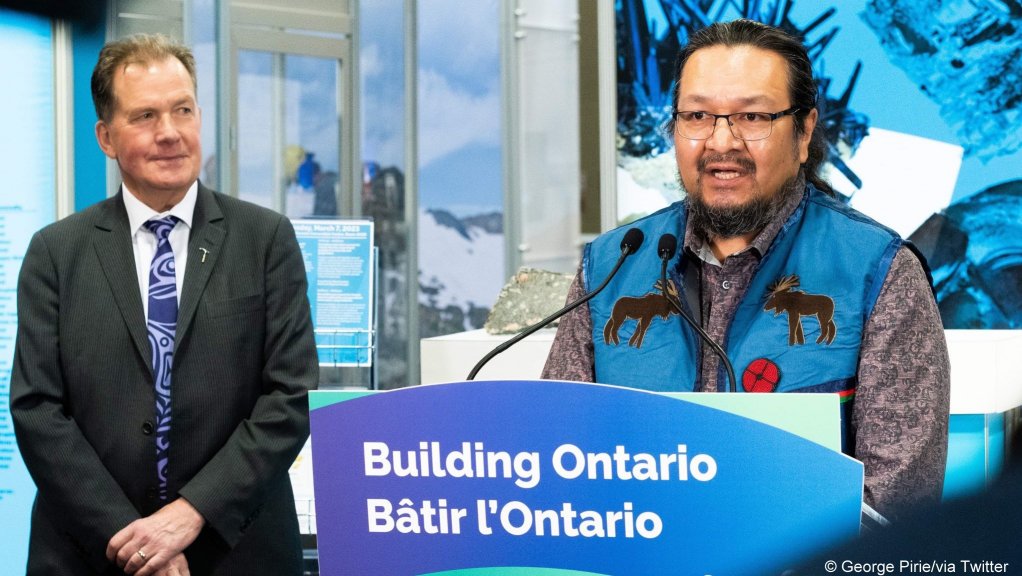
column 154, row 545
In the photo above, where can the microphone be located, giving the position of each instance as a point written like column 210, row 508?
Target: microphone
column 666, row 247
column 629, row 245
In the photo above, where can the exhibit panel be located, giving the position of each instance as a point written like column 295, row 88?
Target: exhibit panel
column 27, row 203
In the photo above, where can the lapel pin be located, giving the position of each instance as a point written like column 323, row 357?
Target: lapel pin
column 204, row 253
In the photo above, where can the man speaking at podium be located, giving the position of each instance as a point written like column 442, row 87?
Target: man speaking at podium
column 164, row 354
column 804, row 293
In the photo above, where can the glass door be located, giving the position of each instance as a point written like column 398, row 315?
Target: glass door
column 291, row 133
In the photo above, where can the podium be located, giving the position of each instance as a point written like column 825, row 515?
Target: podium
column 552, row 478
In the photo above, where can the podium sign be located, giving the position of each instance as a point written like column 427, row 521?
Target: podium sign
column 466, row 478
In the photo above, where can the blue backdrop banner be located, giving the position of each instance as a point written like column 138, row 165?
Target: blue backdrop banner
column 565, row 476
column 27, row 202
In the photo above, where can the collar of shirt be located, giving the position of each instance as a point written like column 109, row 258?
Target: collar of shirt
column 697, row 246
column 139, row 213
column 143, row 244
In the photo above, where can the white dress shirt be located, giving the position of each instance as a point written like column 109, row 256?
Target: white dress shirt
column 143, row 242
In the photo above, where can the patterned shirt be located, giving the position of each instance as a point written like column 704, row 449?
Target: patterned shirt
column 900, row 411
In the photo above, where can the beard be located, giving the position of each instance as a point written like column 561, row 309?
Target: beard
column 734, row 220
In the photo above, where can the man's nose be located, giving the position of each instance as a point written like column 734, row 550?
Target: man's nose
column 722, row 137
column 166, row 129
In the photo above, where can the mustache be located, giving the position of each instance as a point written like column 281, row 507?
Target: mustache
column 743, row 162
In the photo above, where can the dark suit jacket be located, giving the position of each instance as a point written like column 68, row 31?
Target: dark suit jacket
column 82, row 396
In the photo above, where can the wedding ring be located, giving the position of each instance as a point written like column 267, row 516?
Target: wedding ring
column 141, row 554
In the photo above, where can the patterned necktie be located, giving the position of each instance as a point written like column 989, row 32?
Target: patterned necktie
column 162, row 325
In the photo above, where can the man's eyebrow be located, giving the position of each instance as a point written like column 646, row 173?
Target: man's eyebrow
column 138, row 110
column 150, row 106
column 699, row 99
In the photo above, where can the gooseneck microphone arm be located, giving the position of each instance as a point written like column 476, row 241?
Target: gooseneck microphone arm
column 666, row 248
column 629, row 245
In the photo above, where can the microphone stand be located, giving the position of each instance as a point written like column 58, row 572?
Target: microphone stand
column 699, row 330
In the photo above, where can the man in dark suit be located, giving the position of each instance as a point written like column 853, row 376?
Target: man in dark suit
column 164, row 353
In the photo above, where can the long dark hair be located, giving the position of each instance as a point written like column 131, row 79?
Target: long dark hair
column 802, row 88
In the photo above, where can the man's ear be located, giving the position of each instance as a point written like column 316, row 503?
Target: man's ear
column 808, row 125
column 105, row 142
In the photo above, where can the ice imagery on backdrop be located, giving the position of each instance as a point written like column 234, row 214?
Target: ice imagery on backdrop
column 921, row 108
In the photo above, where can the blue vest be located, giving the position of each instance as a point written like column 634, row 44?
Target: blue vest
column 797, row 329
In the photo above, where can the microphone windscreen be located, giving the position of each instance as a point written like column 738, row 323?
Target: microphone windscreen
column 632, row 240
column 667, row 246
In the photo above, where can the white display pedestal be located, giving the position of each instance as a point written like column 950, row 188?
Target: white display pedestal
column 986, row 370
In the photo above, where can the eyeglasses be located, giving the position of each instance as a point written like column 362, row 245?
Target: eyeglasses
column 697, row 125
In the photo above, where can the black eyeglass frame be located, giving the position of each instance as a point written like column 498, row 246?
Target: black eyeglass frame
column 730, row 124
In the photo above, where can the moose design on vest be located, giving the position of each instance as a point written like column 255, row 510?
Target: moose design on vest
column 782, row 297
column 642, row 309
